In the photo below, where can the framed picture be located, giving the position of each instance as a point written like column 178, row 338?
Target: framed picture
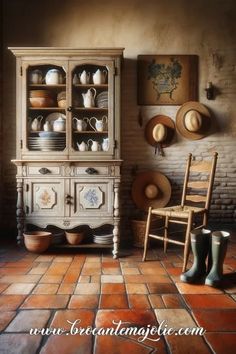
column 167, row 79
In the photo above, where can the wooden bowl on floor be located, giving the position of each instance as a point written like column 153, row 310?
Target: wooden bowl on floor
column 37, row 241
column 74, row 238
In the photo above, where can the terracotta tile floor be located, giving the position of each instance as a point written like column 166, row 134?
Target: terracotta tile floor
column 84, row 289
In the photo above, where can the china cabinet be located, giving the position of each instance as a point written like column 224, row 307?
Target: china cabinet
column 68, row 138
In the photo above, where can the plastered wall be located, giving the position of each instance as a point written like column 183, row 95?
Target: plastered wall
column 202, row 27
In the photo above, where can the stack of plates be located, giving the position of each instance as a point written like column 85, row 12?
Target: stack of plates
column 105, row 239
column 102, row 99
column 47, row 143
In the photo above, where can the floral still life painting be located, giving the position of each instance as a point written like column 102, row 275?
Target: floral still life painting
column 167, row 79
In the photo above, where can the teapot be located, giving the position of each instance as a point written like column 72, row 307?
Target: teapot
column 99, row 77
column 94, row 145
column 59, row 125
column 89, row 97
column 84, row 77
column 36, row 124
column 47, row 127
column 81, row 124
column 105, row 144
column 36, row 77
column 82, row 146
column 54, row 77
column 100, row 124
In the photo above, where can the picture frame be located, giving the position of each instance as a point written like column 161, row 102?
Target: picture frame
column 167, row 79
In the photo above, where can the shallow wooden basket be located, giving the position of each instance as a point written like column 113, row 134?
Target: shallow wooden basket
column 37, row 241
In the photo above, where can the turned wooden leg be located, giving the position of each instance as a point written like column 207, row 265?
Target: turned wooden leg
column 19, row 212
column 115, row 239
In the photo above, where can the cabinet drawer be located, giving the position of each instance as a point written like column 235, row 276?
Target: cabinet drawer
column 92, row 170
column 43, row 170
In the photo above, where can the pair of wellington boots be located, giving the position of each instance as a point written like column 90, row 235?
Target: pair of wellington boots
column 206, row 243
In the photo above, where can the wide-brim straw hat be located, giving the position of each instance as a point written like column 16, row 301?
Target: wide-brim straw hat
column 160, row 129
column 193, row 120
column 151, row 189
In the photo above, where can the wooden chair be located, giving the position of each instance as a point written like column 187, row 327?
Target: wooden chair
column 187, row 211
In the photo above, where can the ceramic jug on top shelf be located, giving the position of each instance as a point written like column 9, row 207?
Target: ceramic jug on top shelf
column 89, row 97
column 54, row 77
column 99, row 77
column 36, row 77
column 84, row 77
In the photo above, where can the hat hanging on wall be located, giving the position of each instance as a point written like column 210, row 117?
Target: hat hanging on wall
column 151, row 188
column 193, row 120
column 159, row 132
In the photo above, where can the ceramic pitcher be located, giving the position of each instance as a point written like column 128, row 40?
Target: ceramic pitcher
column 84, row 77
column 36, row 77
column 36, row 124
column 81, row 124
column 94, row 145
column 89, row 97
column 105, row 144
column 98, row 125
column 54, row 77
column 99, row 77
column 82, row 146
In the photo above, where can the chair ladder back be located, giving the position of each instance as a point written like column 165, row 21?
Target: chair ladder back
column 211, row 181
column 208, row 167
column 186, row 177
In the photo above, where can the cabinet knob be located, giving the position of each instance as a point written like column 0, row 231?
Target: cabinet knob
column 91, row 171
column 69, row 109
column 44, row 171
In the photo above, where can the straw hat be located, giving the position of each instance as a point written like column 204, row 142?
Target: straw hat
column 160, row 130
column 151, row 188
column 193, row 120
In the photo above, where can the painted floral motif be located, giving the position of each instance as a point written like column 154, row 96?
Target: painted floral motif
column 45, row 198
column 165, row 77
column 91, row 197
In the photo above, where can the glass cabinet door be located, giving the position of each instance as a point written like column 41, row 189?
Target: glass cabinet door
column 45, row 108
column 91, row 116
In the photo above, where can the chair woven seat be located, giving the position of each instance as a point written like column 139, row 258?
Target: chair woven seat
column 177, row 211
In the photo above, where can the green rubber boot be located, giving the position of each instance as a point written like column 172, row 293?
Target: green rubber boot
column 200, row 246
column 219, row 242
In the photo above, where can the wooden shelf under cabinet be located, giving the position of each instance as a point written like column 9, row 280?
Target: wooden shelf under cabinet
column 84, row 245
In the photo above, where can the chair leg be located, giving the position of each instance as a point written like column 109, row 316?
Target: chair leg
column 187, row 240
column 147, row 233
column 166, row 233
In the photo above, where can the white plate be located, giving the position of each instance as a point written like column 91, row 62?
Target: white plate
column 54, row 116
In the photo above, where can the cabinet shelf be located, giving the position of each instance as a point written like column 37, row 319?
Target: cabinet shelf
column 91, row 109
column 91, row 85
column 47, row 86
column 46, row 109
column 90, row 132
